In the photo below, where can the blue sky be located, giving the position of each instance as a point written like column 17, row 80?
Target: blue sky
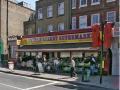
column 31, row 2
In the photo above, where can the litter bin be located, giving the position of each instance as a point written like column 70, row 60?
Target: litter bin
column 11, row 65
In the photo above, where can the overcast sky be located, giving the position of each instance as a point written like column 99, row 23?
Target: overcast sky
column 31, row 2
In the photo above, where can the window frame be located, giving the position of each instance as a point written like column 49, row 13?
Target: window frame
column 61, row 9
column 80, row 5
column 49, row 27
column 39, row 31
column 40, row 13
column 50, row 10
column 113, row 16
column 84, row 19
column 95, row 3
column 74, row 4
column 59, row 25
column 92, row 15
column 74, row 22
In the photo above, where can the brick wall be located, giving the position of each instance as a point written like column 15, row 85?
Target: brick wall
column 101, row 8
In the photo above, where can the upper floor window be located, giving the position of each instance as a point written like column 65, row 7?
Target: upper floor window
column 95, row 19
column 83, row 3
column 73, row 22
column 40, row 13
column 60, row 26
column 83, row 21
column 95, row 2
column 39, row 30
column 111, row 16
column 50, row 28
column 110, row 0
column 50, row 11
column 73, row 4
column 61, row 8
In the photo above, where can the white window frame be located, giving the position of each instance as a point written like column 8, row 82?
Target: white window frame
column 74, row 23
column 50, row 11
column 74, row 4
column 93, row 16
column 50, row 28
column 40, row 13
column 110, row 0
column 95, row 3
column 61, row 8
column 61, row 26
column 82, row 5
column 85, row 18
column 113, row 16
column 39, row 30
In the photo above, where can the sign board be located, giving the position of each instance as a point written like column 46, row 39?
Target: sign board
column 57, row 39
column 116, row 30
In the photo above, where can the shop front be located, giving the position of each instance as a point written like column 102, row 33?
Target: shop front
column 63, row 45
column 59, row 44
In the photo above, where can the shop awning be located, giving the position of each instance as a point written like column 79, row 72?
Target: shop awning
column 57, row 47
column 51, row 50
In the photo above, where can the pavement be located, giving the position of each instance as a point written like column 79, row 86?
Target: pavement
column 17, row 82
column 109, row 82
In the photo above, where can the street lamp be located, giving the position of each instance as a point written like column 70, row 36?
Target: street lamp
column 102, row 49
column 7, row 30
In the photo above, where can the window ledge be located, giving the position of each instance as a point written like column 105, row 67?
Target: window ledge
column 110, row 1
column 73, row 7
column 82, row 6
column 49, row 17
column 95, row 3
column 61, row 14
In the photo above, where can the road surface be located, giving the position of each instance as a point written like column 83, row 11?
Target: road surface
column 15, row 82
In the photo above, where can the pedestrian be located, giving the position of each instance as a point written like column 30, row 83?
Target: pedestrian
column 35, row 65
column 44, row 63
column 83, row 69
column 19, row 61
column 39, row 63
column 57, row 65
column 93, row 64
column 73, row 73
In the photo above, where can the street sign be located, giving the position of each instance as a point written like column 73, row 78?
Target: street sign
column 116, row 30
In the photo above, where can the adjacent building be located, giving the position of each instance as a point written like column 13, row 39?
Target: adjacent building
column 17, row 14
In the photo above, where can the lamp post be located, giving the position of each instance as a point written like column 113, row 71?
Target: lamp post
column 102, row 49
column 7, row 30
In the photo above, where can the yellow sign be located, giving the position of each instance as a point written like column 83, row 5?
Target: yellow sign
column 57, row 39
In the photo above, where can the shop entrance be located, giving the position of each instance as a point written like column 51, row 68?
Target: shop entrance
column 108, row 62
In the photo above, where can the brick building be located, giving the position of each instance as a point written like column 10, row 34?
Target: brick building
column 88, row 12
column 17, row 14
column 69, row 34
column 51, row 16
